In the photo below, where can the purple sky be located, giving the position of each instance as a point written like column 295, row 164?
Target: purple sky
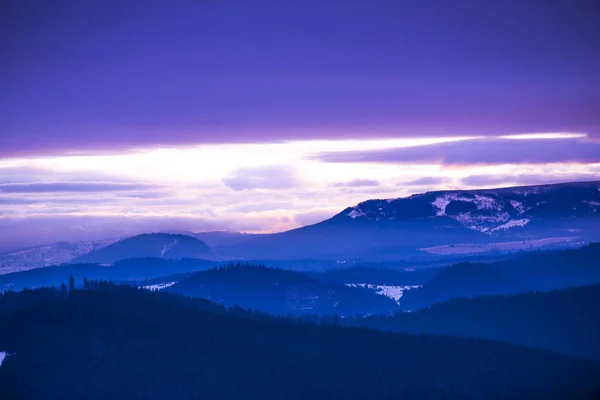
column 479, row 152
column 83, row 75
column 124, row 116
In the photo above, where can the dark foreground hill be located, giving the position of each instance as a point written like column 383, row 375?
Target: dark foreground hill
column 566, row 321
column 538, row 271
column 378, row 276
column 460, row 280
column 279, row 291
column 555, row 269
column 122, row 343
column 159, row 245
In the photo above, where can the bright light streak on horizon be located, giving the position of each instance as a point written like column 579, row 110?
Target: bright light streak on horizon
column 553, row 135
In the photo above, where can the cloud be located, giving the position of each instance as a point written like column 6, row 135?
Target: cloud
column 133, row 210
column 261, row 206
column 529, row 69
column 488, row 151
column 273, row 177
column 368, row 191
column 313, row 217
column 14, row 200
column 74, row 187
column 425, row 181
column 146, row 195
column 526, row 179
column 37, row 174
column 202, row 211
column 357, row 183
column 55, row 210
column 79, row 200
column 285, row 220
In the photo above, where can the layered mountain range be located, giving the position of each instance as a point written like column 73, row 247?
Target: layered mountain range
column 279, row 291
column 50, row 254
column 432, row 224
column 159, row 245
column 397, row 228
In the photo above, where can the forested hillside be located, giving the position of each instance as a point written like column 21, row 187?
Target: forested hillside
column 135, row 269
column 159, row 245
column 119, row 342
column 280, row 291
column 542, row 271
column 562, row 320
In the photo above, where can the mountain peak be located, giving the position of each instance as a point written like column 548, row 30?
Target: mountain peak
column 486, row 210
column 161, row 245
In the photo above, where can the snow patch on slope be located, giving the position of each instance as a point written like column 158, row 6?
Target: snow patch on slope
column 470, row 219
column 355, row 213
column 512, row 224
column 393, row 292
column 486, row 203
column 496, row 214
column 534, row 244
column 517, row 205
column 158, row 286
column 488, row 211
column 167, row 248
column 441, row 203
column 482, row 202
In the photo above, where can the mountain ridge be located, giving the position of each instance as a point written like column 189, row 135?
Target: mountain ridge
column 538, row 271
column 398, row 228
column 561, row 320
column 279, row 291
column 425, row 226
column 31, row 257
column 514, row 206
column 160, row 245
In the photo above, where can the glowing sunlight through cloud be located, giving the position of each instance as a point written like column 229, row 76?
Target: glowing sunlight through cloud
column 254, row 187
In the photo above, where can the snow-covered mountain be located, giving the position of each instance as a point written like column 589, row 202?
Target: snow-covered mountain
column 493, row 211
column 49, row 254
column 484, row 219
column 441, row 222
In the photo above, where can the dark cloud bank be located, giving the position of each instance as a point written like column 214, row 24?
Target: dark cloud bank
column 478, row 152
column 86, row 76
